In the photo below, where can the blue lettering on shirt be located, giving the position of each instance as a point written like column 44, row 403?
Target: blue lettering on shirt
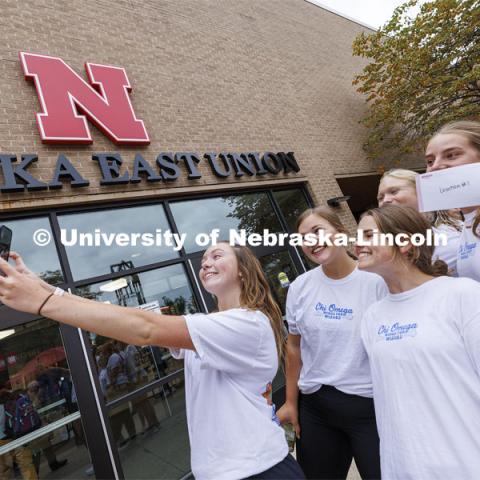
column 467, row 250
column 397, row 331
column 333, row 312
column 275, row 419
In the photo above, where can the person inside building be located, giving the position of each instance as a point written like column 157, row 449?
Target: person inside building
column 423, row 342
column 43, row 444
column 117, row 385
column 21, row 456
column 230, row 357
column 398, row 187
column 333, row 414
column 456, row 144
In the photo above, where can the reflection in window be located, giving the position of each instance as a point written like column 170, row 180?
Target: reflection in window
column 292, row 203
column 280, row 272
column 161, row 451
column 41, row 260
column 36, row 391
column 252, row 212
column 60, row 453
column 149, row 429
column 90, row 261
column 124, row 368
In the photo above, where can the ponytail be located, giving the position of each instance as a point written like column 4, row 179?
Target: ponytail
column 438, row 268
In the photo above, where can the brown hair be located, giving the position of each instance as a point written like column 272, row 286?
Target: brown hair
column 447, row 217
column 397, row 219
column 323, row 212
column 476, row 224
column 255, row 294
column 330, row 216
column 470, row 130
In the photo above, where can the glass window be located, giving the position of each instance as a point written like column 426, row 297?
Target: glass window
column 149, row 429
column 91, row 261
column 43, row 260
column 252, row 212
column 292, row 203
column 280, row 272
column 59, row 453
column 37, row 393
column 124, row 368
column 152, row 435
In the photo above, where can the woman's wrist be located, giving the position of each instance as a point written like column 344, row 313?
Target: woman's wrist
column 291, row 403
column 45, row 301
column 46, row 286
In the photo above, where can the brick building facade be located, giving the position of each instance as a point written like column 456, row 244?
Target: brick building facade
column 207, row 76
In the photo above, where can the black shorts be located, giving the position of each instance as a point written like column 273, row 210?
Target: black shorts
column 287, row 469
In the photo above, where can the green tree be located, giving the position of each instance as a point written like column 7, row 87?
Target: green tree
column 424, row 71
column 253, row 212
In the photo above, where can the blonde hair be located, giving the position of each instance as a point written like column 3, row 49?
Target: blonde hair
column 397, row 219
column 447, row 217
column 470, row 130
column 255, row 294
column 401, row 174
column 440, row 217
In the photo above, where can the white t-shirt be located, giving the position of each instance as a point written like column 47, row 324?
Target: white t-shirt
column 232, row 430
column 468, row 259
column 327, row 314
column 448, row 253
column 424, row 349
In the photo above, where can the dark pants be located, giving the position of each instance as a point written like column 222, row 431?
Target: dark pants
column 335, row 427
column 287, row 469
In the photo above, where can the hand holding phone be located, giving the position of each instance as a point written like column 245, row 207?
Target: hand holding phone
column 5, row 242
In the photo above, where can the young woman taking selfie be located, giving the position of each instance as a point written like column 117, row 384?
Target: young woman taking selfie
column 230, row 358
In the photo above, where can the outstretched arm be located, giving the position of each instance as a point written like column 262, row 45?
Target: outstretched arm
column 24, row 292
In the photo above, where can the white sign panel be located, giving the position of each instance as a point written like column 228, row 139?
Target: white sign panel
column 151, row 307
column 450, row 188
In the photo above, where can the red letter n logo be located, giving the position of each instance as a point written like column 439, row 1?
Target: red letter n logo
column 67, row 100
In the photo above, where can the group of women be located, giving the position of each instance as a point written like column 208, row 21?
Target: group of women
column 383, row 350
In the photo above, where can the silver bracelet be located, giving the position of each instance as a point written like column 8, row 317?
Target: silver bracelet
column 59, row 291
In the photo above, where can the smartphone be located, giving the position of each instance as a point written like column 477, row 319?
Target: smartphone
column 5, row 242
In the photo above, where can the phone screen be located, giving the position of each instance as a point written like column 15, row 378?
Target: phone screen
column 5, row 242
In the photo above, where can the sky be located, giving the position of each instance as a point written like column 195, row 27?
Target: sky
column 373, row 13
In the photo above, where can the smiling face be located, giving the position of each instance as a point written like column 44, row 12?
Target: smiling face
column 397, row 191
column 219, row 269
column 319, row 254
column 447, row 150
column 372, row 258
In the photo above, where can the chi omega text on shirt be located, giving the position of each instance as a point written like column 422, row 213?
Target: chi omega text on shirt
column 397, row 331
